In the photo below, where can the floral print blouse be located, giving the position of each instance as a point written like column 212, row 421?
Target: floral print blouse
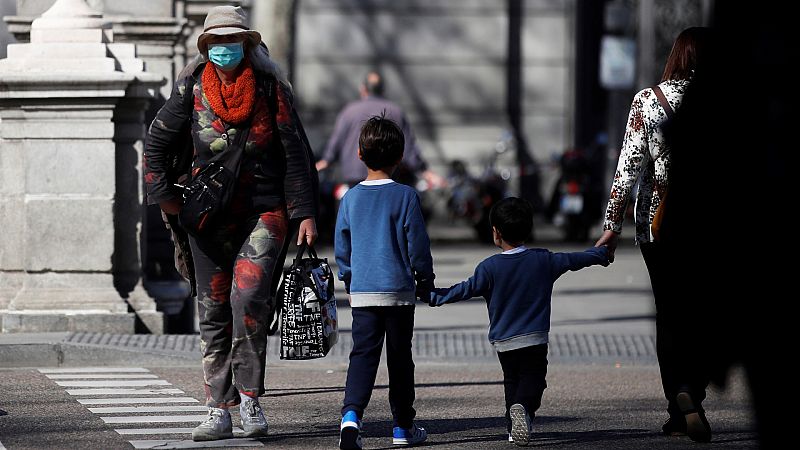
column 644, row 157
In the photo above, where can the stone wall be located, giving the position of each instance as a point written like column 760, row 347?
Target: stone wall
column 445, row 62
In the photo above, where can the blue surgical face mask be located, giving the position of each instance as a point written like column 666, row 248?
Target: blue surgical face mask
column 226, row 56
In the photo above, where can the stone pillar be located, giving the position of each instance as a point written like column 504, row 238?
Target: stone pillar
column 71, row 132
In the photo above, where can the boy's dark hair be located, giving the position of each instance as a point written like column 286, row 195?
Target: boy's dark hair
column 381, row 142
column 513, row 218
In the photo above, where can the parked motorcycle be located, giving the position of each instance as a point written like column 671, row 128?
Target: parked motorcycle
column 568, row 206
column 472, row 198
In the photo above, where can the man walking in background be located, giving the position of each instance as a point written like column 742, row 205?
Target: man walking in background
column 343, row 145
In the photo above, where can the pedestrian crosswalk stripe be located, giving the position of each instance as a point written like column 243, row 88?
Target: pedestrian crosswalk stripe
column 110, row 376
column 133, row 400
column 120, row 389
column 123, row 391
column 155, row 419
column 113, row 383
column 180, row 444
column 146, row 431
column 96, row 370
column 146, row 409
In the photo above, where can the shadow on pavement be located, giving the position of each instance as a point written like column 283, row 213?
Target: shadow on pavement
column 650, row 317
column 328, row 389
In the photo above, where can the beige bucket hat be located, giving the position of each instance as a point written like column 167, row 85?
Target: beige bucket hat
column 224, row 21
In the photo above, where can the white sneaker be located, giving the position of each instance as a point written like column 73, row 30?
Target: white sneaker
column 217, row 426
column 412, row 436
column 254, row 423
column 520, row 425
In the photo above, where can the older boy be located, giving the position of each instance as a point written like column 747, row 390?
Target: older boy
column 382, row 248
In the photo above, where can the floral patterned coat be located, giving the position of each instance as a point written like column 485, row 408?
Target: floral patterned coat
column 277, row 168
column 645, row 158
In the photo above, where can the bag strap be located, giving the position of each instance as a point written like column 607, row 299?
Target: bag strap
column 301, row 249
column 663, row 100
column 234, row 159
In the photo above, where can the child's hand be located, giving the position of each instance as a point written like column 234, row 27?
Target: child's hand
column 423, row 295
column 609, row 256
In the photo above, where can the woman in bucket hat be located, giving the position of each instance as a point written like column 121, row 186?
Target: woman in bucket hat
column 233, row 87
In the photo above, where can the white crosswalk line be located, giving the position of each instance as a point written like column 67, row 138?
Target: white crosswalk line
column 134, row 400
column 127, row 383
column 179, row 444
column 2, row 447
column 156, row 419
column 146, row 431
column 123, row 391
column 113, row 383
column 96, row 370
column 110, row 376
column 146, row 409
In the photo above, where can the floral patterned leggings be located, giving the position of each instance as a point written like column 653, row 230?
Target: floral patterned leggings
column 234, row 270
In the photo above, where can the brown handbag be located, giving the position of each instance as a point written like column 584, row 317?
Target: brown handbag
column 658, row 218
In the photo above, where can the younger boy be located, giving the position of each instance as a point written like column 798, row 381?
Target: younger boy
column 382, row 248
column 517, row 285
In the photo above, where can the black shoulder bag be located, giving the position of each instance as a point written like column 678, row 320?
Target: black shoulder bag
column 210, row 192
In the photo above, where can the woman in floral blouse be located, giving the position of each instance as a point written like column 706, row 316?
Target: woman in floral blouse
column 645, row 158
column 235, row 86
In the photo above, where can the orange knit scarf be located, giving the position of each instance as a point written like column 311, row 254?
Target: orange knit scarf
column 233, row 103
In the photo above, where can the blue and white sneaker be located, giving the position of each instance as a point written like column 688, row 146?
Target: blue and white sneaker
column 412, row 436
column 350, row 432
column 520, row 425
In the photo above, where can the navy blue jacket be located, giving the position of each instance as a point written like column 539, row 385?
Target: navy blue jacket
column 518, row 289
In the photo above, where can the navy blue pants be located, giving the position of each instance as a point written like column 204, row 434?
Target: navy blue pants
column 370, row 326
column 524, row 372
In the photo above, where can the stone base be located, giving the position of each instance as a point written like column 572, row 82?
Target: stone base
column 52, row 321
column 152, row 321
column 149, row 320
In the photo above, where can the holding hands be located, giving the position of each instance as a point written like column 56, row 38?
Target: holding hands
column 610, row 239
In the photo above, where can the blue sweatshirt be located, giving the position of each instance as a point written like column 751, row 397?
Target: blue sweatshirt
column 518, row 288
column 381, row 245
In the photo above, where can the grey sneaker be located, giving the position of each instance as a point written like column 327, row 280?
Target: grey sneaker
column 520, row 424
column 254, row 423
column 217, row 426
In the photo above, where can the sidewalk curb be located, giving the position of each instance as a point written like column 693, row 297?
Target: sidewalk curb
column 102, row 349
column 69, row 355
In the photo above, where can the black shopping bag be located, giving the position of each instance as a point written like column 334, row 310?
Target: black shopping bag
column 309, row 322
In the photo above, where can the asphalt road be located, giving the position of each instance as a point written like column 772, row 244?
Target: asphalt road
column 461, row 405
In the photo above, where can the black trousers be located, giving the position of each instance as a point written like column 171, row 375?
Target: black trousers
column 370, row 326
column 524, row 372
column 679, row 339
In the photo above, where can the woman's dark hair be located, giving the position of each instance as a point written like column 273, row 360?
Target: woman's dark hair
column 381, row 142
column 689, row 48
column 513, row 218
